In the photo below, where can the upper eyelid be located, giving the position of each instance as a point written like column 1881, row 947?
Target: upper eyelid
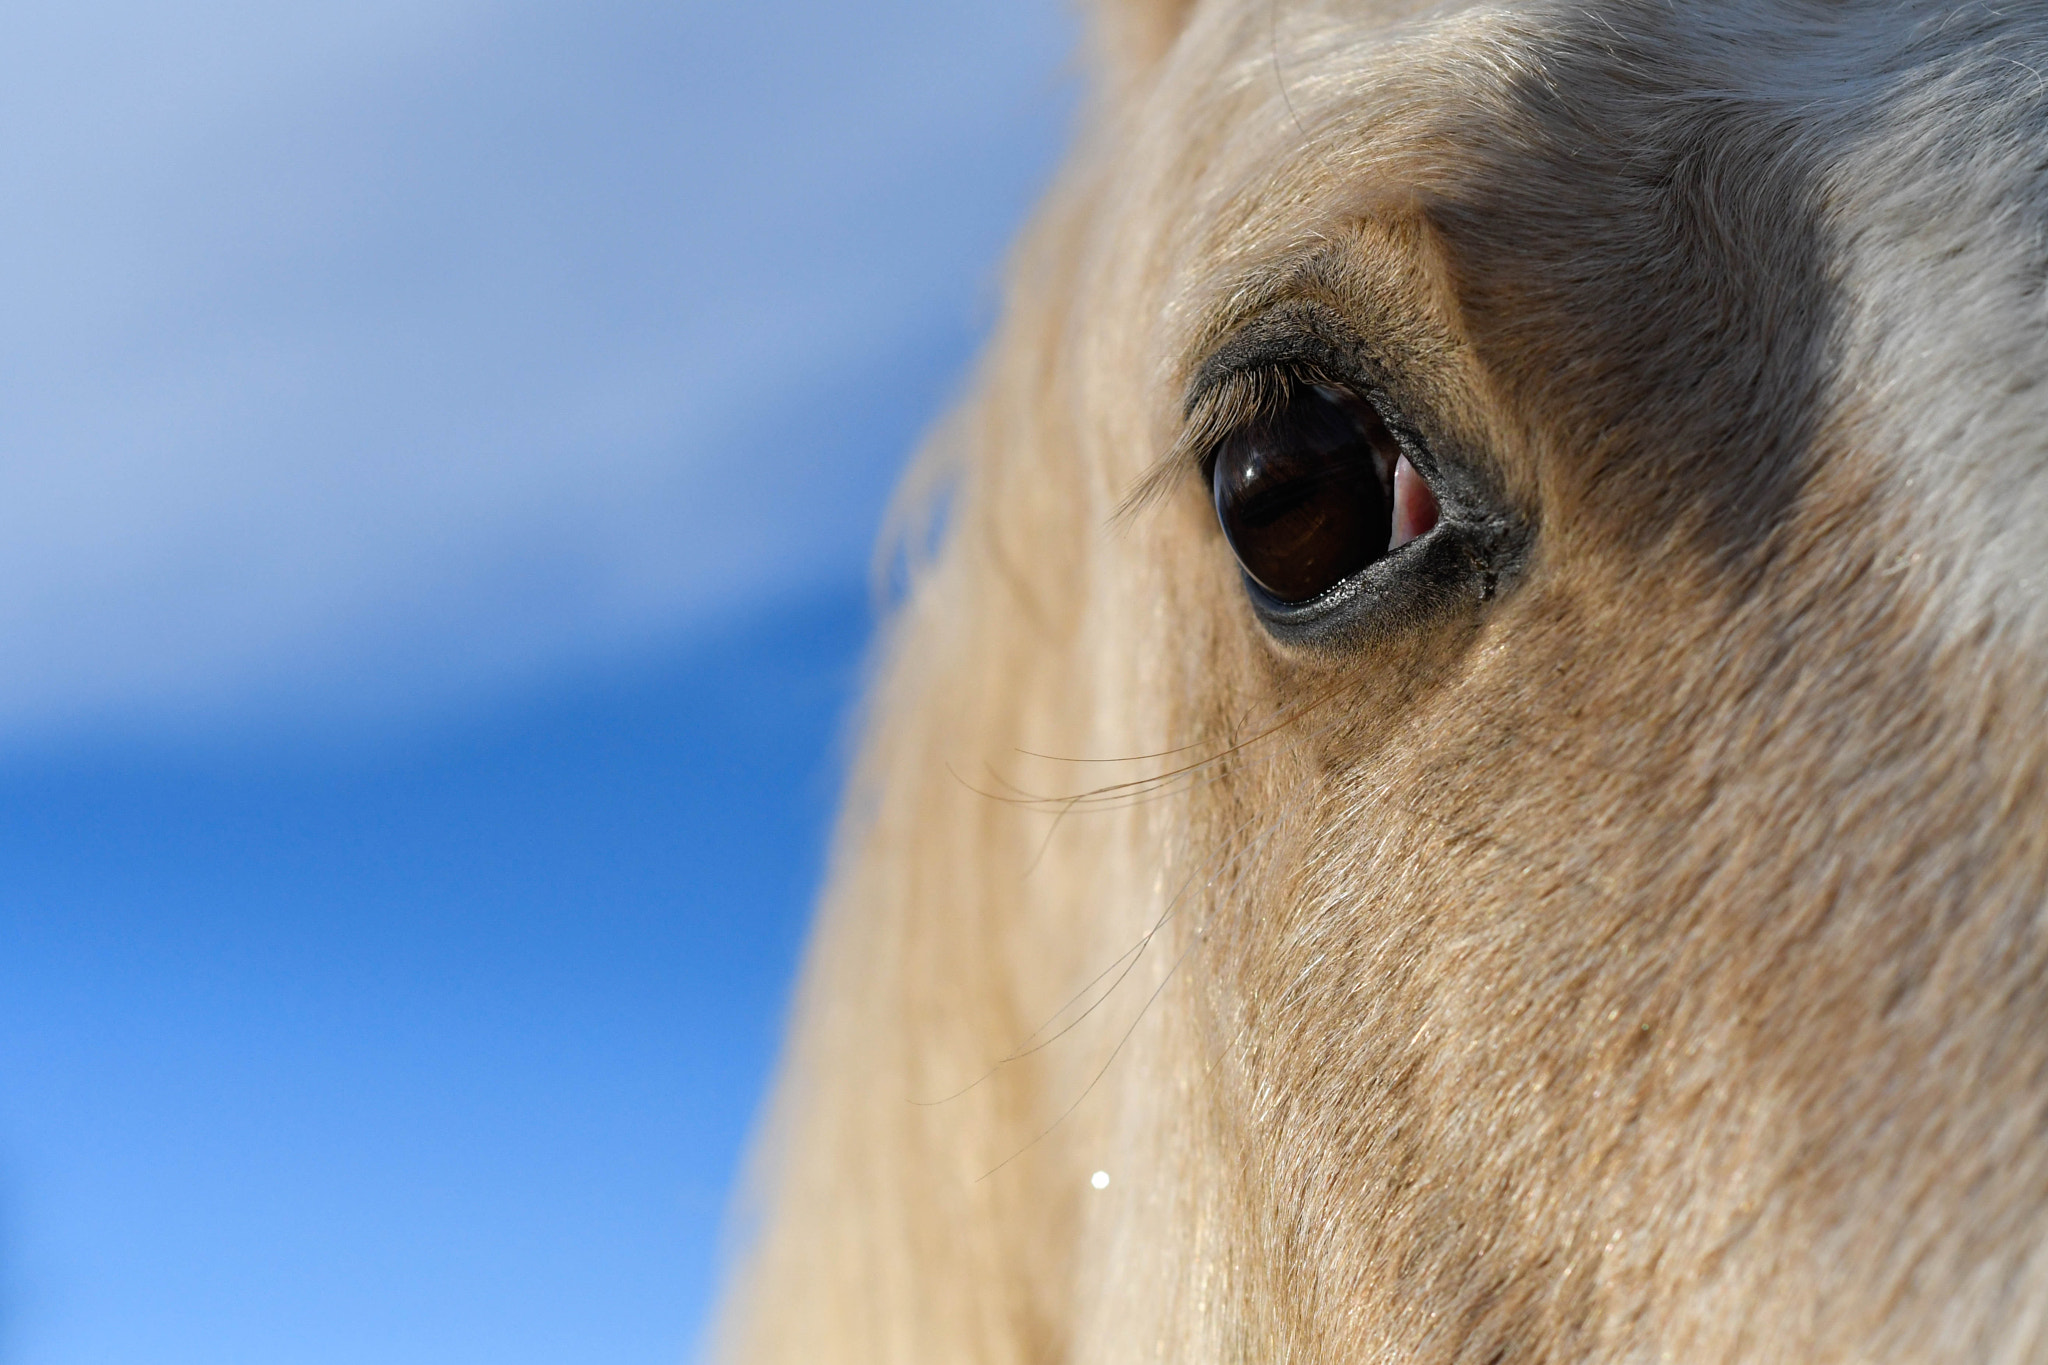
column 1247, row 370
column 1222, row 404
column 1229, row 403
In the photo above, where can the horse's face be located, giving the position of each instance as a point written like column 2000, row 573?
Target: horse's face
column 1563, row 487
column 1635, row 898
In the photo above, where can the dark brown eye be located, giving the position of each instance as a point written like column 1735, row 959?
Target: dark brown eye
column 1306, row 496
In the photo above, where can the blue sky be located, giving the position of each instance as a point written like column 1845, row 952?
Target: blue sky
column 442, row 441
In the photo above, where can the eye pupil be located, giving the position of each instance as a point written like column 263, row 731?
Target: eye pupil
column 1306, row 496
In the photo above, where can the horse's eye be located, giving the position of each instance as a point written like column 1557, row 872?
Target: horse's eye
column 1307, row 496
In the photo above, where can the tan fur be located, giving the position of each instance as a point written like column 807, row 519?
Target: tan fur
column 1644, row 962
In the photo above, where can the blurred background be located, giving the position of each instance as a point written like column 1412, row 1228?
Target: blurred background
column 440, row 442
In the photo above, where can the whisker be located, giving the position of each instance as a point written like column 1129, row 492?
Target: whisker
column 1108, row 1062
column 1135, row 758
column 1115, row 790
column 1200, row 936
column 1279, row 76
column 1134, row 954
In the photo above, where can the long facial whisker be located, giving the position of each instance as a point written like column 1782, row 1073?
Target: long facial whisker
column 1115, row 791
column 1219, row 863
column 1133, row 758
column 1103, row 1070
column 1128, row 960
column 1235, row 862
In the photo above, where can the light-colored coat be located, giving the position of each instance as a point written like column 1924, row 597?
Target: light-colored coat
column 1631, row 949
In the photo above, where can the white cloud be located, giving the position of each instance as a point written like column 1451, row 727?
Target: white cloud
column 360, row 353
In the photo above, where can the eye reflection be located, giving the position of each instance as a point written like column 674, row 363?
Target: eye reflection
column 1306, row 496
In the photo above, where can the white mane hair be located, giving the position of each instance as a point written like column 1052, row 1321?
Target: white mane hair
column 1629, row 947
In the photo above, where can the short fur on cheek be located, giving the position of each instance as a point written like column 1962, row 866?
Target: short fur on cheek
column 1623, row 944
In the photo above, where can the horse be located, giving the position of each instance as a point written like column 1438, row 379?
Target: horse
column 1460, row 775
